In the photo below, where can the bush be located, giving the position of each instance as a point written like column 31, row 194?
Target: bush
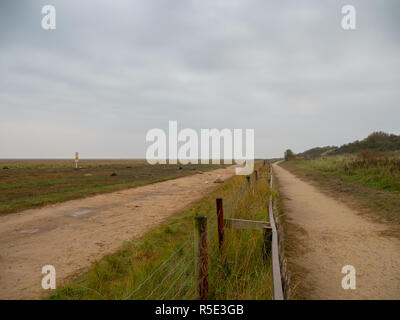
column 289, row 154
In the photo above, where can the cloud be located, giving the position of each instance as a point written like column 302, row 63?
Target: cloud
column 113, row 70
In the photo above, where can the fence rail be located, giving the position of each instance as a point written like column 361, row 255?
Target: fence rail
column 276, row 267
column 245, row 224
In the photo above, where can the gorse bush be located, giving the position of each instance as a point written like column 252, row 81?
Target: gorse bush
column 376, row 142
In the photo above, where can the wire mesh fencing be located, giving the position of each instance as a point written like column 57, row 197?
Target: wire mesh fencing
column 176, row 277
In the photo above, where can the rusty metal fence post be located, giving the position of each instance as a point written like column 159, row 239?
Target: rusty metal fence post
column 220, row 220
column 201, row 256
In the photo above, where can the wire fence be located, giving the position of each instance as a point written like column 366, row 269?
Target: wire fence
column 175, row 277
column 162, row 279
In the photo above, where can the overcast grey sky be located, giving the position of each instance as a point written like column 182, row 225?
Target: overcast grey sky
column 112, row 70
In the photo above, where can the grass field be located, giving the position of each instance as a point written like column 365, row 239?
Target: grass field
column 381, row 172
column 161, row 264
column 28, row 184
column 371, row 179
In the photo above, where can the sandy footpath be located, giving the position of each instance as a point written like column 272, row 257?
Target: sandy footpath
column 331, row 235
column 72, row 235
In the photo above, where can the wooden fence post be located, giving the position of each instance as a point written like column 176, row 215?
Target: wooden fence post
column 201, row 256
column 267, row 242
column 220, row 220
column 256, row 174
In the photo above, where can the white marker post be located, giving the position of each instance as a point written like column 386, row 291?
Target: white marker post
column 76, row 160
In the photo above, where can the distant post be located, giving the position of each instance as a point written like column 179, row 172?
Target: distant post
column 201, row 256
column 220, row 219
column 76, row 160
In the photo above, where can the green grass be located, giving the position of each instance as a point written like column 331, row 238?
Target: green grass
column 34, row 183
column 237, row 271
column 377, row 172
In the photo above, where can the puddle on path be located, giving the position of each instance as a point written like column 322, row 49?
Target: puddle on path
column 29, row 231
column 81, row 213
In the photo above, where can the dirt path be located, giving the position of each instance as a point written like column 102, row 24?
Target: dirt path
column 72, row 235
column 328, row 236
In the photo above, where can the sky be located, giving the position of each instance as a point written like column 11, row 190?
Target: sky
column 113, row 70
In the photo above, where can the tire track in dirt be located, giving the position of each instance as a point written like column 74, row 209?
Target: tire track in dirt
column 73, row 234
column 329, row 235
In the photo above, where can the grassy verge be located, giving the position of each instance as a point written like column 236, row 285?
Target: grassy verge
column 380, row 172
column 160, row 265
column 369, row 184
column 29, row 184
